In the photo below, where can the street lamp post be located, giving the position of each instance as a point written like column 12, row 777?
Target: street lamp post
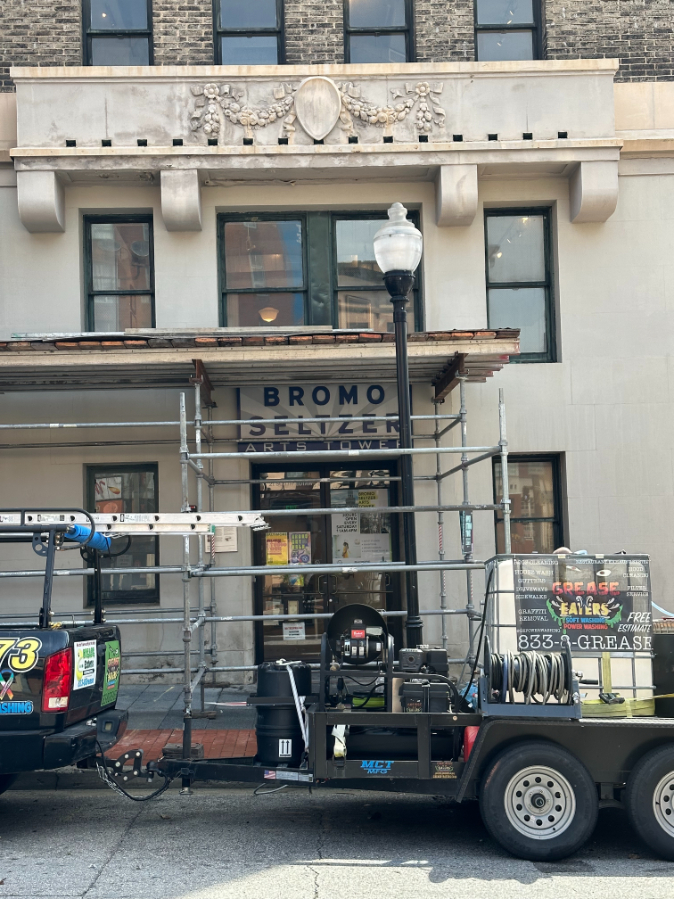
column 397, row 249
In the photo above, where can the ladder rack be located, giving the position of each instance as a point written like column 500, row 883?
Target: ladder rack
column 181, row 523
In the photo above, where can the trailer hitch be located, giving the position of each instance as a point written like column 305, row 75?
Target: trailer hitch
column 115, row 772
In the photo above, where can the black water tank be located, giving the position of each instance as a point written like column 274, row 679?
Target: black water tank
column 278, row 732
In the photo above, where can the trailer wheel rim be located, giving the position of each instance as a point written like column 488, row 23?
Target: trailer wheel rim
column 540, row 802
column 663, row 803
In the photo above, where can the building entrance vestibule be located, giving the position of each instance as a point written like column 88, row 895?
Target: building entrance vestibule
column 301, row 538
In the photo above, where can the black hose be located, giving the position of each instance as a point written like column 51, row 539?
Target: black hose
column 533, row 674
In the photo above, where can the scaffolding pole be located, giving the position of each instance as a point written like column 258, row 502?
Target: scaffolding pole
column 202, row 660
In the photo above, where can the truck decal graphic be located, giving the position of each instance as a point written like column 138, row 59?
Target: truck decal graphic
column 20, row 654
column 377, row 766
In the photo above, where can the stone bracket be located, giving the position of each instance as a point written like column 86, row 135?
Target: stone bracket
column 41, row 200
column 593, row 191
column 181, row 200
column 456, row 195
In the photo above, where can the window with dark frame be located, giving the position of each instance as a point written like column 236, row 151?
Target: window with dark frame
column 378, row 31
column 119, row 272
column 304, row 269
column 508, row 30
column 249, row 32
column 115, row 489
column 534, row 486
column 117, row 32
column 519, row 278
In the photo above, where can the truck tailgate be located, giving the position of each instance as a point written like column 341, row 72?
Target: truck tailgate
column 92, row 656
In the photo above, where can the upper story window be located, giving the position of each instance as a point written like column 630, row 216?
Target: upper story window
column 519, row 279
column 249, row 32
column 303, row 269
column 119, row 272
column 377, row 31
column 507, row 29
column 117, row 32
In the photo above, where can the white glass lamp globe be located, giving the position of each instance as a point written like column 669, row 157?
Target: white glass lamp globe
column 398, row 244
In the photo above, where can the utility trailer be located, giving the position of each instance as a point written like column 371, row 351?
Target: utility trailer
column 539, row 769
column 539, row 782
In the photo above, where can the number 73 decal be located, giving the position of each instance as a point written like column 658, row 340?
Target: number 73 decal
column 20, row 655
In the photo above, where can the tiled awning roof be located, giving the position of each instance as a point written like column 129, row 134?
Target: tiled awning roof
column 166, row 359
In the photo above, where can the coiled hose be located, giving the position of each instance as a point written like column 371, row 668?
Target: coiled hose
column 534, row 674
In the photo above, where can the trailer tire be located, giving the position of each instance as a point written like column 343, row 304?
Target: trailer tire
column 538, row 801
column 649, row 799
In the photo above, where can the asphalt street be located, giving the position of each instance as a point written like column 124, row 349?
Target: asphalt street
column 228, row 844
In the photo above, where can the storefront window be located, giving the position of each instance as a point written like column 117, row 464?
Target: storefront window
column 300, row 539
column 114, row 489
column 535, row 504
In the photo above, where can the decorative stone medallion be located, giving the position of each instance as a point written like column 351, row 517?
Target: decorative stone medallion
column 318, row 104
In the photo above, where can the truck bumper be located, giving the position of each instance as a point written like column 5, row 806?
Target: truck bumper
column 35, row 750
column 79, row 741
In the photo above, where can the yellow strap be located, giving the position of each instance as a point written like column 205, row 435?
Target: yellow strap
column 607, row 680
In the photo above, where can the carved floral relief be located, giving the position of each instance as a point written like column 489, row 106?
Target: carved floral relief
column 311, row 106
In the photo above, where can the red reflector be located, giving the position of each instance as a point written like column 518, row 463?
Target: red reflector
column 58, row 679
column 469, row 738
column 358, row 635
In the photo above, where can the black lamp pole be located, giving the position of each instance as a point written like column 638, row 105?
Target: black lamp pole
column 399, row 284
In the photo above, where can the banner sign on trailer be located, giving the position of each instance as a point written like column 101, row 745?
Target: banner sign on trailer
column 601, row 604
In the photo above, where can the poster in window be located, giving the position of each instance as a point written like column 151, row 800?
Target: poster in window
column 300, row 547
column 108, row 495
column 277, row 548
column 294, row 631
column 362, row 536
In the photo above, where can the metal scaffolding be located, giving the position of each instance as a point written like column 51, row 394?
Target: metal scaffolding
column 200, row 655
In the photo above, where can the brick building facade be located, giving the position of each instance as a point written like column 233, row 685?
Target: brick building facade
column 638, row 32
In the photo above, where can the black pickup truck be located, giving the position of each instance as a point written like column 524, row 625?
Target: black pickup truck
column 58, row 681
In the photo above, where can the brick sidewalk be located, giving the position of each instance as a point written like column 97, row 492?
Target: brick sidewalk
column 218, row 744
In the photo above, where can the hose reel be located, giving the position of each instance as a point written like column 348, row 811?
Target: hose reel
column 536, row 676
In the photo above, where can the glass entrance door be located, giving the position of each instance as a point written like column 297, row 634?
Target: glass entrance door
column 364, row 536
column 299, row 539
